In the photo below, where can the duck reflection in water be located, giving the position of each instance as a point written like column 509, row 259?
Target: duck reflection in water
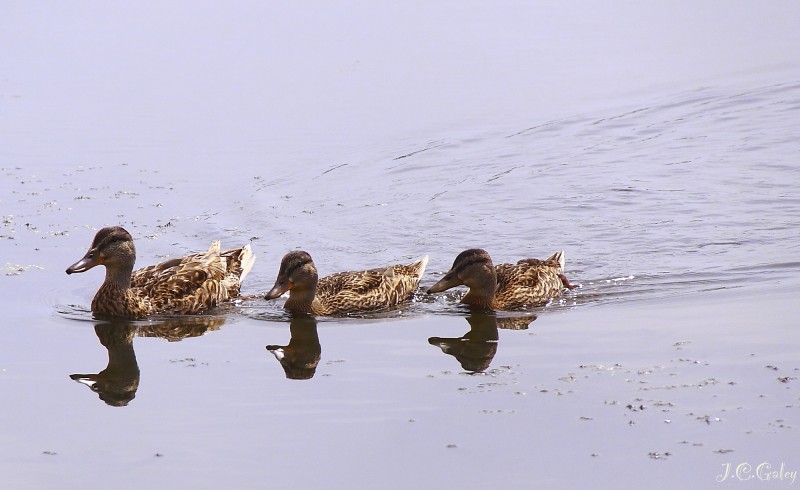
column 301, row 356
column 515, row 322
column 117, row 383
column 475, row 349
column 179, row 328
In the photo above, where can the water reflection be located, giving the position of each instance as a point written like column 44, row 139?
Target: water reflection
column 117, row 383
column 475, row 349
column 180, row 328
column 301, row 356
column 515, row 322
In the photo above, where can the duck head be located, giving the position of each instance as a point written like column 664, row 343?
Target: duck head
column 113, row 248
column 297, row 275
column 472, row 268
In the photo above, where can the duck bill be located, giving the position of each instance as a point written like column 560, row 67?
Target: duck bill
column 277, row 351
column 84, row 264
column 444, row 284
column 278, row 289
column 442, row 343
column 84, row 379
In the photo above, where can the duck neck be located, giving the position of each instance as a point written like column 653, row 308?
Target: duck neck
column 119, row 277
column 301, row 299
column 114, row 289
column 479, row 299
column 481, row 289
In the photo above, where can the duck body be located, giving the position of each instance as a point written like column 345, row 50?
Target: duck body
column 344, row 292
column 529, row 282
column 186, row 285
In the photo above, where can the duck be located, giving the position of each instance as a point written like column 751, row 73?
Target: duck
column 344, row 292
column 529, row 282
column 180, row 286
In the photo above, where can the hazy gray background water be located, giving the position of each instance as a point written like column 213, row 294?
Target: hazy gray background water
column 656, row 145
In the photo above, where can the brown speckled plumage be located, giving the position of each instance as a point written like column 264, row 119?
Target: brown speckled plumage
column 186, row 285
column 343, row 292
column 529, row 282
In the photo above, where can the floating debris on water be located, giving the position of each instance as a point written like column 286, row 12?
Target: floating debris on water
column 708, row 419
column 17, row 269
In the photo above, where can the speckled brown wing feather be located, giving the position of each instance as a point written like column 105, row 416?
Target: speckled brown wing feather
column 348, row 292
column 146, row 276
column 529, row 282
column 238, row 264
column 189, row 284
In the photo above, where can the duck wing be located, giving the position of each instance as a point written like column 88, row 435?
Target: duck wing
column 190, row 284
column 373, row 289
column 529, row 282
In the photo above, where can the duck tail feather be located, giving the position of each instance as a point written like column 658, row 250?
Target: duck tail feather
column 558, row 257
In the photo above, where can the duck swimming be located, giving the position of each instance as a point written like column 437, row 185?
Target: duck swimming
column 343, row 292
column 185, row 285
column 529, row 282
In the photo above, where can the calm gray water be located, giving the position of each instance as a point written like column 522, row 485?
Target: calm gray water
column 665, row 165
